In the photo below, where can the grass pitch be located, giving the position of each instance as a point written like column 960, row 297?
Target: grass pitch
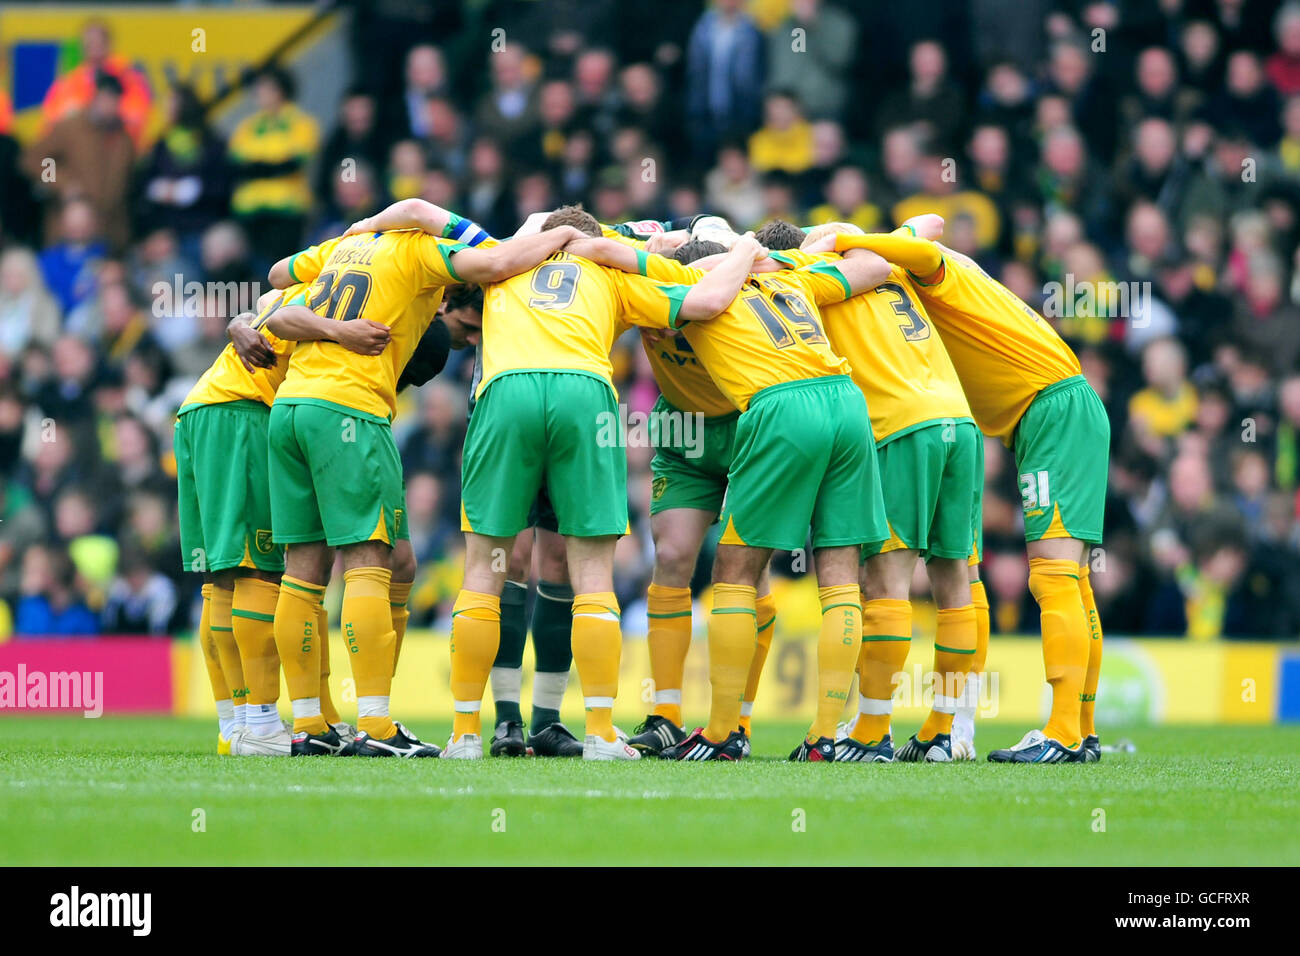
column 119, row 791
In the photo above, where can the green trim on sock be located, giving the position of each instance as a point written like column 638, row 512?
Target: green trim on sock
column 251, row 615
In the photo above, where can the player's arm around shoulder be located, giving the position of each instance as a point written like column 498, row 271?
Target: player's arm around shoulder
column 299, row 323
column 510, row 258
column 718, row 288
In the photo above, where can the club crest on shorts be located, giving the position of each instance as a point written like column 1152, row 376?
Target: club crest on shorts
column 262, row 539
column 657, row 487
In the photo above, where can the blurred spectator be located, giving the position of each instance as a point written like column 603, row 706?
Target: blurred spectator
column 509, row 110
column 931, row 99
column 725, row 71
column 87, row 155
column 48, row 604
column 140, row 600
column 1167, row 405
column 270, row 151
column 809, row 53
column 732, row 189
column 29, row 315
column 784, row 141
column 184, row 180
column 72, row 92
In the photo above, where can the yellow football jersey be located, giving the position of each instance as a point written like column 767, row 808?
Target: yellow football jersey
column 770, row 334
column 395, row 278
column 562, row 315
column 900, row 365
column 226, row 380
column 1004, row 352
column 682, row 379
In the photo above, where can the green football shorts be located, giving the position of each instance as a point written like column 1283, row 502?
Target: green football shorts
column 929, row 476
column 805, row 455
column 1062, row 446
column 558, row 430
column 691, row 460
column 335, row 476
column 223, row 491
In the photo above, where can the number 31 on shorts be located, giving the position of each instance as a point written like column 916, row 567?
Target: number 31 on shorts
column 1035, row 490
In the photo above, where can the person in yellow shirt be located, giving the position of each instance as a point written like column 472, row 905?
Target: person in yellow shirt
column 932, row 476
column 546, row 405
column 224, row 509
column 785, row 141
column 336, row 478
column 1026, row 388
column 802, row 456
column 270, row 152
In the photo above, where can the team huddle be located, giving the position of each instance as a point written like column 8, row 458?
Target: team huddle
column 842, row 382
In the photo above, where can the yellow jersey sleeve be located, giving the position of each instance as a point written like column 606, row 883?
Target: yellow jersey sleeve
column 306, row 265
column 823, row 281
column 433, row 256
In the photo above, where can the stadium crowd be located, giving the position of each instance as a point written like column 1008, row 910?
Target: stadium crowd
column 1130, row 169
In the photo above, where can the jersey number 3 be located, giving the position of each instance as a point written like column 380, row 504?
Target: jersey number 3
column 916, row 329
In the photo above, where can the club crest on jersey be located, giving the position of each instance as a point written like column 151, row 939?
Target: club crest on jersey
column 262, row 539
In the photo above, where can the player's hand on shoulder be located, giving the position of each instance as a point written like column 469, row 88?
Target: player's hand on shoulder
column 360, row 226
column 251, row 346
column 364, row 336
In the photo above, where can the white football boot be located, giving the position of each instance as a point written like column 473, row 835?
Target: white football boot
column 596, row 747
column 468, row 747
column 246, row 744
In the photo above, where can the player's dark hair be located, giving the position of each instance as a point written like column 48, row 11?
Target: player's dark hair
column 466, row 295
column 780, row 234
column 574, row 216
column 688, row 252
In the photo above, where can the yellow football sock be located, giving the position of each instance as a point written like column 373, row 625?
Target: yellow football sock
column 837, row 652
column 668, row 640
column 367, row 626
column 223, row 636
column 954, row 650
column 211, row 657
column 475, row 636
column 979, row 599
column 886, row 638
column 1088, row 699
column 597, row 649
column 1055, row 586
column 298, row 640
column 327, row 708
column 398, row 593
column 253, row 620
column 733, row 632
column 765, row 619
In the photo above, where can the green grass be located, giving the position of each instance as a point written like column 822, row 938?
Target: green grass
column 124, row 791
